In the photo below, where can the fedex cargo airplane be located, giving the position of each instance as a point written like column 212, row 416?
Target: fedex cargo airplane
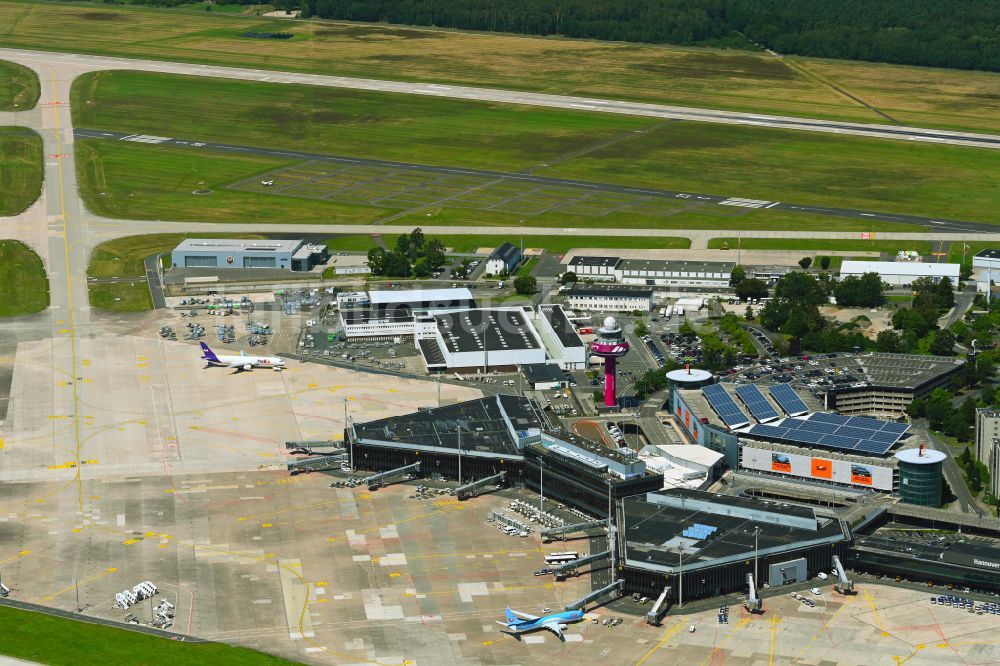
column 241, row 362
column 519, row 623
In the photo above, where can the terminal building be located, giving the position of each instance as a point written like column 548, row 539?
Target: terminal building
column 952, row 558
column 481, row 438
column 775, row 431
column 892, row 382
column 293, row 255
column 713, row 541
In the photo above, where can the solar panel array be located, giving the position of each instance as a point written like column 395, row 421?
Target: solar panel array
column 756, row 403
column 699, row 531
column 855, row 434
column 788, row 399
column 725, row 406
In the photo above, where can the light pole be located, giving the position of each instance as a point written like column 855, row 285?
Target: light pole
column 756, row 582
column 459, row 455
column 680, row 576
column 348, row 434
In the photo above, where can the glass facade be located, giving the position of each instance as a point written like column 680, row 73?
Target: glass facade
column 920, row 484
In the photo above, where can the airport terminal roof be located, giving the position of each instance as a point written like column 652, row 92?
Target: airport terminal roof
column 610, row 291
column 493, row 330
column 537, row 373
column 989, row 253
column 457, row 296
column 236, row 245
column 562, row 326
column 706, row 528
column 487, row 425
column 396, row 314
column 969, row 552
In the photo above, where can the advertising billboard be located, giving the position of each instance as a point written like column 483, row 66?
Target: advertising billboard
column 822, row 468
column 781, row 463
column 827, row 469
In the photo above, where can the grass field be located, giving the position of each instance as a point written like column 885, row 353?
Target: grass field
column 969, row 249
column 820, row 244
column 135, row 181
column 29, row 635
column 20, row 169
column 18, row 87
column 730, row 160
column 139, row 181
column 735, row 80
column 24, row 287
column 123, row 258
column 553, row 244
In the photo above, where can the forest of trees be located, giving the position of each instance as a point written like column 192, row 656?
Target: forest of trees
column 963, row 34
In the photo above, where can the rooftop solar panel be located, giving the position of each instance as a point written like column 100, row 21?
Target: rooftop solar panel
column 788, row 399
column 835, row 431
column 756, row 403
column 725, row 406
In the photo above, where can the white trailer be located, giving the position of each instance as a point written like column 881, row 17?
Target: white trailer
column 680, row 311
column 670, row 312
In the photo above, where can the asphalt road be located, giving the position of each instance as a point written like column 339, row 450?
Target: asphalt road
column 193, row 144
column 154, row 278
column 515, row 97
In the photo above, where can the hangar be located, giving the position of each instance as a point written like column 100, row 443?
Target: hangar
column 293, row 255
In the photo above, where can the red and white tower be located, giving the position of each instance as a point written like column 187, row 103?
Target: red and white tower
column 610, row 345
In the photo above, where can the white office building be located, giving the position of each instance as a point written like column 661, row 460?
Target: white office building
column 607, row 298
column 988, row 444
column 653, row 272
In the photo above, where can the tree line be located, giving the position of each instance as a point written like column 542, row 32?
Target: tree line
column 961, row 34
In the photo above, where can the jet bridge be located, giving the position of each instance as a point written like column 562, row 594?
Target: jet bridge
column 843, row 584
column 470, row 489
column 753, row 603
column 563, row 569
column 310, row 446
column 316, row 464
column 377, row 480
column 659, row 609
column 590, row 596
column 569, row 529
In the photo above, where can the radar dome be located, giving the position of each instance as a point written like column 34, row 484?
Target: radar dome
column 610, row 323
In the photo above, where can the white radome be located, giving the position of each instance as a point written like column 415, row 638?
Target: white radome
column 610, row 323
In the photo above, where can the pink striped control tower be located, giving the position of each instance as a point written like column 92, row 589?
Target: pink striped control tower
column 609, row 345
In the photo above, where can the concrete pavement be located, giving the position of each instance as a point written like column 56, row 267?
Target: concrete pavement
column 515, row 97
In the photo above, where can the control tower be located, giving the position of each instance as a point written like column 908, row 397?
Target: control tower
column 609, row 345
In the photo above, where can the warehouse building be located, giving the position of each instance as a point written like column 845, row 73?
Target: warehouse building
column 713, row 541
column 892, row 382
column 562, row 342
column 594, row 268
column 504, row 260
column 479, row 339
column 901, row 273
column 293, row 255
column 607, row 298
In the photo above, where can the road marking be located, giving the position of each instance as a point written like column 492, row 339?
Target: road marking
column 50, row 597
column 666, row 637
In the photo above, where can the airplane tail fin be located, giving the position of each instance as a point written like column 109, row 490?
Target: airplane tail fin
column 208, row 354
column 511, row 618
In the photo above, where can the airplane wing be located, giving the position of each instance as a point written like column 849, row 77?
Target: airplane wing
column 554, row 627
column 525, row 616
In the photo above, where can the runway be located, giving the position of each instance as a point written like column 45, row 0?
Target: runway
column 488, row 176
column 902, row 133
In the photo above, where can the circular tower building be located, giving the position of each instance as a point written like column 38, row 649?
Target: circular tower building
column 920, row 476
column 609, row 345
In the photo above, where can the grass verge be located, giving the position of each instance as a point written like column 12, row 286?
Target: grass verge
column 820, row 244
column 20, row 169
column 123, row 258
column 18, row 87
column 24, row 286
column 29, row 635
